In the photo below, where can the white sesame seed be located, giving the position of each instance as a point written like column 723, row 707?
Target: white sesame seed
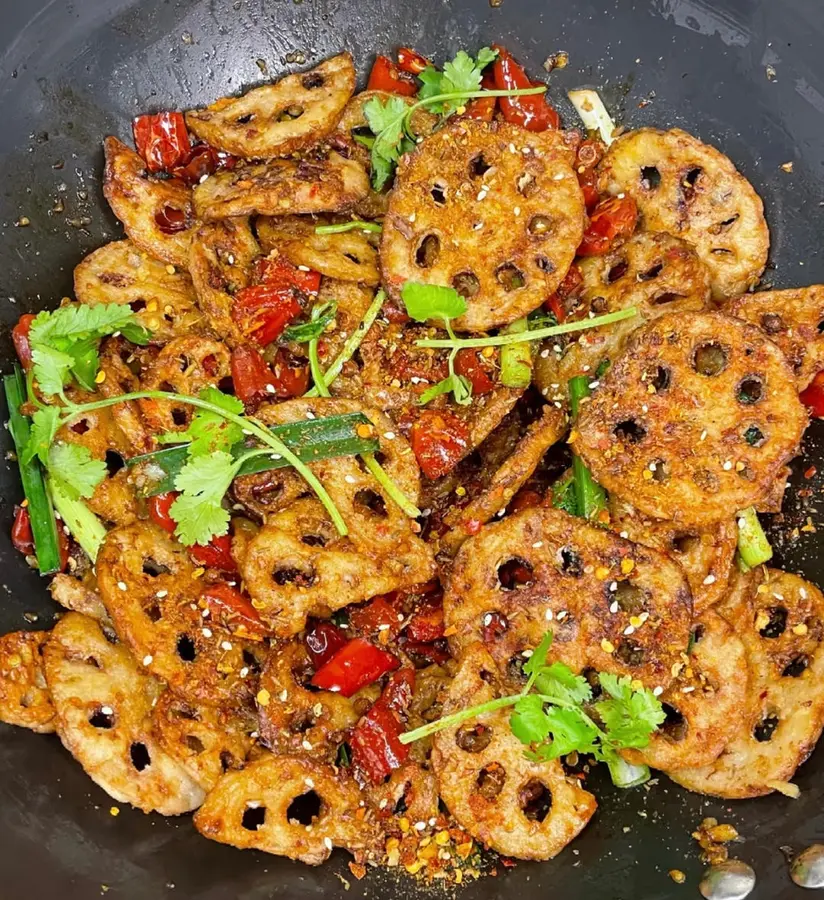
column 270, row 389
column 383, row 804
column 226, row 645
column 306, row 745
column 481, row 194
column 420, row 826
column 517, row 211
column 630, row 629
column 207, row 632
column 310, row 414
column 624, row 534
column 727, row 465
column 122, row 585
column 538, row 544
column 107, row 710
column 304, row 269
column 526, row 654
column 308, row 782
column 350, row 479
column 389, row 435
column 710, row 579
column 283, row 695
column 317, row 709
column 544, row 354
column 327, row 842
column 161, row 594
column 244, row 671
column 613, row 607
column 657, row 691
column 688, row 690
column 548, row 615
column 613, row 586
column 147, row 660
column 561, row 615
column 488, row 619
column 703, row 435
column 559, row 177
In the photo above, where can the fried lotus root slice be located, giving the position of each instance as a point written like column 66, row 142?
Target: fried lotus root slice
column 148, row 586
column 508, row 479
column 297, row 565
column 278, row 119
column 530, row 810
column 104, row 704
column 220, row 264
column 115, row 499
column 347, row 257
column 450, row 219
column 24, row 697
column 695, row 420
column 266, row 493
column 704, row 553
column 655, row 273
column 206, row 741
column 269, row 805
column 327, row 183
column 693, row 191
column 707, row 705
column 117, row 357
column 410, row 788
column 779, row 617
column 74, row 595
column 612, row 605
column 156, row 214
column 163, row 300
column 185, row 365
column 793, row 319
column 290, row 713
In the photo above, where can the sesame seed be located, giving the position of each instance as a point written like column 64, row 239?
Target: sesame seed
column 630, row 629
column 383, row 804
column 657, row 691
column 317, row 709
column 561, row 615
column 207, row 632
column 488, row 619
column 308, row 782
column 688, row 690
column 350, row 479
column 613, row 586
column 226, row 645
column 306, row 745
column 703, row 435
column 122, row 585
column 526, row 654
column 283, row 695
column 244, row 671
column 538, row 544
column 327, row 842
column 389, row 435
column 548, row 615
column 607, row 646
column 420, row 826
column 161, row 594
column 263, row 697
column 613, row 607
column 107, row 710
column 270, row 389
column 710, row 579
column 147, row 660
column 727, row 465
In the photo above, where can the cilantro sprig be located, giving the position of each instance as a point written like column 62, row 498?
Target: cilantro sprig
column 425, row 302
column 64, row 342
column 555, row 714
column 442, row 92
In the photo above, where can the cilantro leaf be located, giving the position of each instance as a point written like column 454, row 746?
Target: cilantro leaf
column 486, row 55
column 73, row 466
column 529, row 722
column 458, row 385
column 571, row 732
column 537, row 661
column 430, row 80
column 462, row 75
column 431, row 301
column 199, row 510
column 44, row 424
column 629, row 716
column 564, row 495
column 64, row 341
column 209, row 432
column 558, row 680
column 308, row 331
column 386, row 120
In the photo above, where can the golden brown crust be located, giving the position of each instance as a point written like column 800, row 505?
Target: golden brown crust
column 793, row 320
column 272, row 783
column 472, row 174
column 278, row 119
column 704, row 553
column 136, row 199
column 508, row 479
column 104, row 703
column 707, row 705
column 150, row 589
column 24, row 698
column 206, row 741
column 780, row 619
column 346, row 257
column 531, row 810
column 694, row 192
column 611, row 604
column 655, row 273
column 220, row 264
column 74, row 595
column 328, row 183
column 695, row 419
column 163, row 301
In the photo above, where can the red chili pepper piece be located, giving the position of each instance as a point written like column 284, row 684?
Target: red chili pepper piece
column 470, row 364
column 21, row 534
column 20, row 337
column 437, row 652
column 201, row 161
column 588, row 179
column 532, row 112
column 377, row 615
column 252, row 378
column 386, row 76
column 813, row 396
column 159, row 507
column 411, row 61
column 571, row 285
column 234, row 610
column 264, row 310
column 375, row 741
column 291, row 375
column 323, row 640
column 355, row 665
column 171, row 220
column 483, row 108
column 439, row 440
column 278, row 271
column 526, row 498
column 217, row 554
column 427, row 623
column 162, row 140
column 612, row 219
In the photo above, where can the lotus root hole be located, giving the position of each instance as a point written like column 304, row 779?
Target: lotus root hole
column 186, row 649
column 479, row 166
column 674, row 725
column 535, row 800
column 710, row 359
column 685, row 543
column 631, row 599
column 371, row 501
column 515, row 573
column 102, row 717
column 617, row 270
column 653, row 272
column 650, row 178
column 490, row 781
column 539, row 226
column 630, row 653
column 194, row 743
column 629, row 431
column 661, row 379
column 473, row 738
column 750, row 390
column 253, row 817
column 313, row 80
column 796, row 667
column 571, row 562
column 466, row 284
column 438, row 194
column 765, row 729
column 299, row 577
column 776, row 624
column 305, row 809
column 510, row 277
column 139, row 753
column 428, row 251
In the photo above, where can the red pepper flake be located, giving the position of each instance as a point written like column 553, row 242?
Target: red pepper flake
column 809, row 473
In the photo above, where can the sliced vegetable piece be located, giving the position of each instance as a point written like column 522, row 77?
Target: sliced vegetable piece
column 217, row 554
column 591, row 497
column 291, row 375
column 753, row 546
column 264, row 310
column 386, row 76
column 44, row 527
column 355, row 665
column 323, row 640
column 162, row 140
column 530, row 112
column 470, row 364
column 251, row 376
column 439, row 440
column 612, row 219
column 516, row 359
column 590, row 107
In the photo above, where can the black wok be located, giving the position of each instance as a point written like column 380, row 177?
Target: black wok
column 72, row 71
